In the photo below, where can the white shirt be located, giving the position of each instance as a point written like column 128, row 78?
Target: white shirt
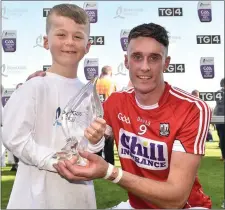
column 30, row 132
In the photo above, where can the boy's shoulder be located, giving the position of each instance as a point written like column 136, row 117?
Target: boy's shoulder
column 36, row 81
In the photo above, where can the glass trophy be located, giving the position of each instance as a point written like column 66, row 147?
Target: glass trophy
column 78, row 114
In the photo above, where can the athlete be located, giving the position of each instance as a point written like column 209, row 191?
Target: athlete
column 159, row 130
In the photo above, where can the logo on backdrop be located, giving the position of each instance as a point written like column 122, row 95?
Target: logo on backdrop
column 3, row 70
column 91, row 68
column 174, row 39
column 208, row 39
column 175, row 68
column 4, row 13
column 121, row 70
column 46, row 67
column 9, row 40
column 207, row 67
column 205, row 11
column 124, row 38
column 6, row 95
column 39, row 41
column 46, row 11
column 7, row 13
column 12, row 69
column 97, row 40
column 122, row 12
column 168, row 12
column 211, row 96
column 91, row 8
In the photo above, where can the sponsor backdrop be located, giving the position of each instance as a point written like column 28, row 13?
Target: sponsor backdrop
column 196, row 40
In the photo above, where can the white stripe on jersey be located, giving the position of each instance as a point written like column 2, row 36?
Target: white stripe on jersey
column 178, row 146
column 207, row 117
column 204, row 125
column 130, row 90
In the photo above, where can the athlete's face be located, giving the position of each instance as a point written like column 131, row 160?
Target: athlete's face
column 146, row 60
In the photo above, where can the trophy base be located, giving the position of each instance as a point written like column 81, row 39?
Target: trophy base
column 65, row 155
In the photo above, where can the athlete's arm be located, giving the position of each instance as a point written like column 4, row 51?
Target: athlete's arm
column 36, row 74
column 170, row 194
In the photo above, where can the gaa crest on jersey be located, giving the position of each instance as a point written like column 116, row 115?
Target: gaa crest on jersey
column 164, row 129
column 146, row 153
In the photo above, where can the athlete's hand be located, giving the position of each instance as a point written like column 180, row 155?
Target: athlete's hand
column 36, row 74
column 95, row 131
column 95, row 168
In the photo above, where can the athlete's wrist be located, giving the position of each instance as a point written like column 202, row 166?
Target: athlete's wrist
column 113, row 174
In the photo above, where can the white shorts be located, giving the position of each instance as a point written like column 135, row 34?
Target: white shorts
column 126, row 205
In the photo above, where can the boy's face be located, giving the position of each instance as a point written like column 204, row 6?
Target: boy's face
column 67, row 40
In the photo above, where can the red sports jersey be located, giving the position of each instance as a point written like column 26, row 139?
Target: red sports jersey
column 146, row 136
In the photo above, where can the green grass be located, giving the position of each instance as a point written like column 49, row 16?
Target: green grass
column 211, row 175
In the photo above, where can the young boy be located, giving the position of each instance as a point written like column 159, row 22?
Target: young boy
column 30, row 119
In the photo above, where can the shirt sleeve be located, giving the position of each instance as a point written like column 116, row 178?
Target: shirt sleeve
column 19, row 127
column 94, row 148
column 193, row 132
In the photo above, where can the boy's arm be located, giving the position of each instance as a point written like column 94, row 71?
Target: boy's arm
column 19, row 127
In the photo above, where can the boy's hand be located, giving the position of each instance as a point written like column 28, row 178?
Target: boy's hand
column 36, row 74
column 95, row 131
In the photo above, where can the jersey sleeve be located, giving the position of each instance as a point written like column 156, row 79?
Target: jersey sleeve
column 19, row 126
column 193, row 132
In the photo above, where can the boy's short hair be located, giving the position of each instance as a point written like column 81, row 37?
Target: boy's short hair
column 71, row 11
